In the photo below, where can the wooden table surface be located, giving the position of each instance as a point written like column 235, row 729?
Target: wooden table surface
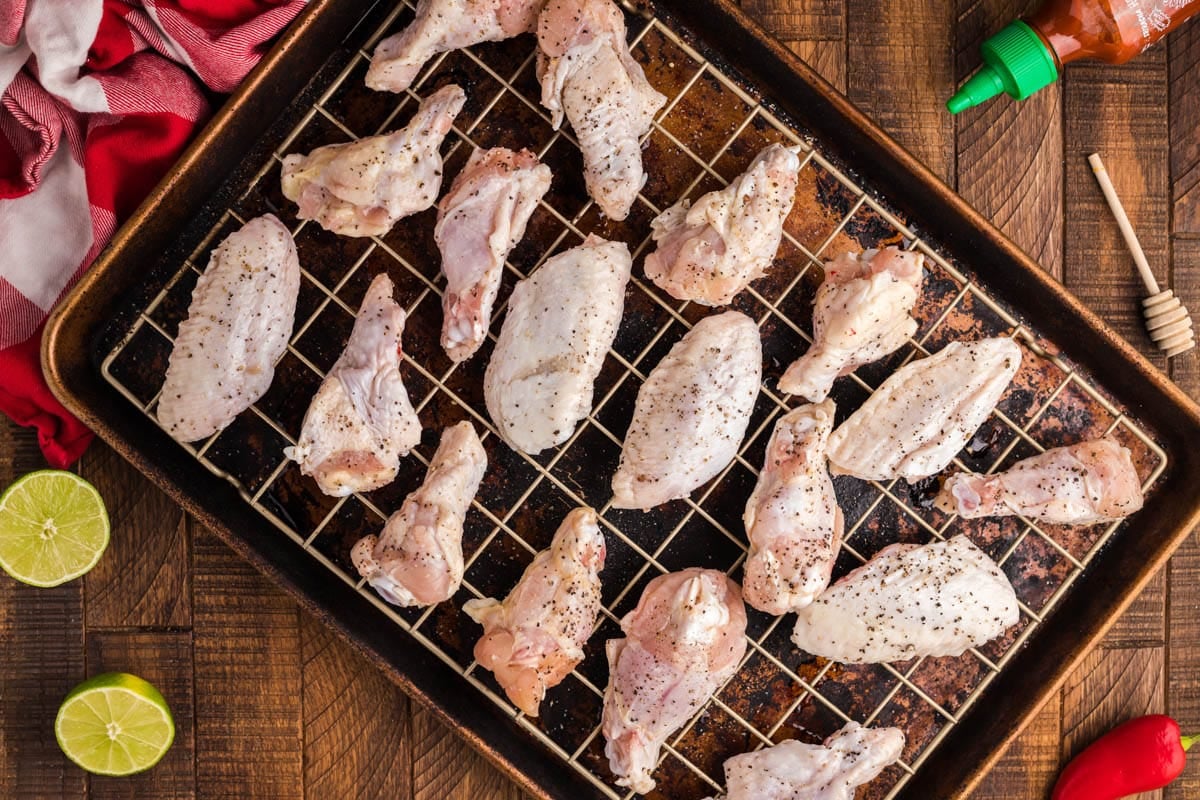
column 269, row 704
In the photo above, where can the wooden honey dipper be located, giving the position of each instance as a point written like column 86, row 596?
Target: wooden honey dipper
column 1167, row 320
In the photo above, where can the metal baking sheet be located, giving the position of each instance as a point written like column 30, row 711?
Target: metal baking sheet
column 716, row 119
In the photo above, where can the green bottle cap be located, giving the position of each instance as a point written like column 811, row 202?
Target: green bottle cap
column 1015, row 61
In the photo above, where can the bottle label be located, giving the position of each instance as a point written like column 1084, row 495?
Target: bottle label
column 1153, row 18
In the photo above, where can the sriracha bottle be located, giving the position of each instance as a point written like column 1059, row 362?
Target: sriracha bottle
column 1029, row 54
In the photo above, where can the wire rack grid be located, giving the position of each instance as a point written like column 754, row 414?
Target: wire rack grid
column 792, row 694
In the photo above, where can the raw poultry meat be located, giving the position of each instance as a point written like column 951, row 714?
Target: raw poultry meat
column 480, row 220
column 683, row 641
column 862, row 312
column 360, row 421
column 691, row 413
column 1074, row 485
column 910, row 600
column 237, row 327
column 793, row 770
column 417, row 560
column 362, row 188
column 711, row 250
column 561, row 321
column 442, row 25
column 587, row 72
column 536, row 636
column 792, row 518
column 920, row 418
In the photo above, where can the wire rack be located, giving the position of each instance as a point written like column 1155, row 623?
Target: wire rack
column 779, row 692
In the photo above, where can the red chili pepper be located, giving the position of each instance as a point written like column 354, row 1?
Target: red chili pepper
column 1136, row 756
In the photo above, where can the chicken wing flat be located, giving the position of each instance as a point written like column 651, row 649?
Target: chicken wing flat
column 910, row 600
column 560, row 324
column 793, row 770
column 923, row 415
column 238, row 323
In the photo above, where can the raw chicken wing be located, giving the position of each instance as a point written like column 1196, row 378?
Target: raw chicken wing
column 792, row 770
column 361, row 188
column 237, row 327
column 910, row 600
column 536, row 636
column 710, row 251
column 417, row 560
column 442, row 25
column 561, row 321
column 480, row 220
column 361, row 422
column 1075, row 485
column 588, row 73
column 691, row 413
column 862, row 312
column 920, row 418
column 792, row 517
column 684, row 640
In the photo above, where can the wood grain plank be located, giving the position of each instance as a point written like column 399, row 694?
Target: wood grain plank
column 249, row 742
column 901, row 70
column 1183, row 571
column 41, row 658
column 1183, row 47
column 1030, row 767
column 795, row 20
column 1119, row 112
column 145, row 580
column 165, row 659
column 826, row 56
column 1009, row 154
column 445, row 768
column 356, row 740
column 1110, row 687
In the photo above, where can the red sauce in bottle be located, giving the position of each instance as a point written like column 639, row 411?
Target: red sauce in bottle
column 1028, row 54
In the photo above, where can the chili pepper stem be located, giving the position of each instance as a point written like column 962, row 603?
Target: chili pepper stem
column 1188, row 741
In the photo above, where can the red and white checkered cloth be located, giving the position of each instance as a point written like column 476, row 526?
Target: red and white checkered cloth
column 97, row 104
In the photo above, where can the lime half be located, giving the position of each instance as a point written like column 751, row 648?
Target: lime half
column 53, row 528
column 114, row 724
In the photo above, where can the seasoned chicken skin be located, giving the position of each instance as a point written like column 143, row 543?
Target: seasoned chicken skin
column 561, row 321
column 535, row 637
column 691, row 413
column 417, row 560
column 1074, row 485
column 238, row 324
column 923, row 415
column 360, row 422
column 588, row 73
column 792, row 517
column 683, row 641
column 442, row 25
column 710, row 251
column 862, row 312
column 480, row 220
column 792, row 770
column 910, row 600
column 362, row 188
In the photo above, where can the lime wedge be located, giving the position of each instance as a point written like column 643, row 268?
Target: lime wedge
column 53, row 528
column 114, row 724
